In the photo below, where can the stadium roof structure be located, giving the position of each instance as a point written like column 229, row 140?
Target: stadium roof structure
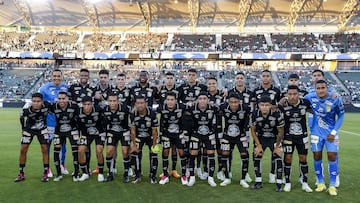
column 245, row 16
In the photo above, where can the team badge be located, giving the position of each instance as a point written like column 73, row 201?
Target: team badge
column 328, row 108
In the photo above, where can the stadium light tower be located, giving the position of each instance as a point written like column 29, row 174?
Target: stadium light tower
column 23, row 8
column 350, row 9
column 295, row 9
column 194, row 9
column 244, row 10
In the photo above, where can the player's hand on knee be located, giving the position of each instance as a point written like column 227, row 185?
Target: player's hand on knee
column 277, row 151
column 331, row 138
column 258, row 150
column 134, row 149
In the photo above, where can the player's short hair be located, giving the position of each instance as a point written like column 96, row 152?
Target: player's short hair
column 140, row 97
column 63, row 93
column 170, row 74
column 144, row 71
column 121, row 75
column 234, row 95
column 37, row 95
column 265, row 99
column 240, row 73
column 293, row 87
column 57, row 70
column 84, row 70
column 203, row 93
column 171, row 93
column 112, row 94
column 192, row 70
column 321, row 82
column 212, row 78
column 86, row 99
column 318, row 70
column 104, row 71
column 266, row 71
column 293, row 76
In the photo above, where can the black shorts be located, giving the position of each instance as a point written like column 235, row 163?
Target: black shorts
column 301, row 143
column 188, row 124
column 267, row 143
column 60, row 138
column 112, row 139
column 28, row 135
column 218, row 142
column 242, row 143
column 140, row 142
column 208, row 141
column 167, row 140
column 87, row 140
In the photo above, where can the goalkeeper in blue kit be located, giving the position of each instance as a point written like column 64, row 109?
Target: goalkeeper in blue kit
column 328, row 118
column 50, row 92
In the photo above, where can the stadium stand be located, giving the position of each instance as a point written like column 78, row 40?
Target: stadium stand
column 193, row 43
column 237, row 43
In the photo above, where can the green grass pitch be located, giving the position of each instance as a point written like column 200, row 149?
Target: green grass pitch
column 33, row 190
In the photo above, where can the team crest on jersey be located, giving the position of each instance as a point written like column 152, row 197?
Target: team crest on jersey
column 328, row 108
column 246, row 100
column 210, row 114
column 272, row 97
column 302, row 111
column 197, row 92
column 272, row 123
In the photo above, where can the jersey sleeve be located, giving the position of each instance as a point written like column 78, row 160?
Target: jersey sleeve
column 253, row 118
column 340, row 112
column 154, row 120
column 280, row 121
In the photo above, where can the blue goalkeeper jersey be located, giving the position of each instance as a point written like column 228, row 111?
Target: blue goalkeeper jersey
column 328, row 114
column 50, row 93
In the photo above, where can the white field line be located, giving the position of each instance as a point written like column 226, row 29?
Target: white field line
column 351, row 133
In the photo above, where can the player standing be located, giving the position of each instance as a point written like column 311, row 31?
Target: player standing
column 172, row 134
column 33, row 123
column 169, row 86
column 116, row 120
column 65, row 114
column 268, row 89
column 50, row 92
column 248, row 98
column 296, row 136
column 91, row 128
column 236, row 116
column 328, row 118
column 267, row 130
column 143, row 130
column 188, row 93
column 204, row 118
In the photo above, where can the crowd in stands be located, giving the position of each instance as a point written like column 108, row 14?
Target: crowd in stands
column 15, row 84
column 56, row 42
column 62, row 42
column 194, row 42
column 295, row 43
column 237, row 43
column 342, row 42
column 13, row 41
column 99, row 42
column 143, row 43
